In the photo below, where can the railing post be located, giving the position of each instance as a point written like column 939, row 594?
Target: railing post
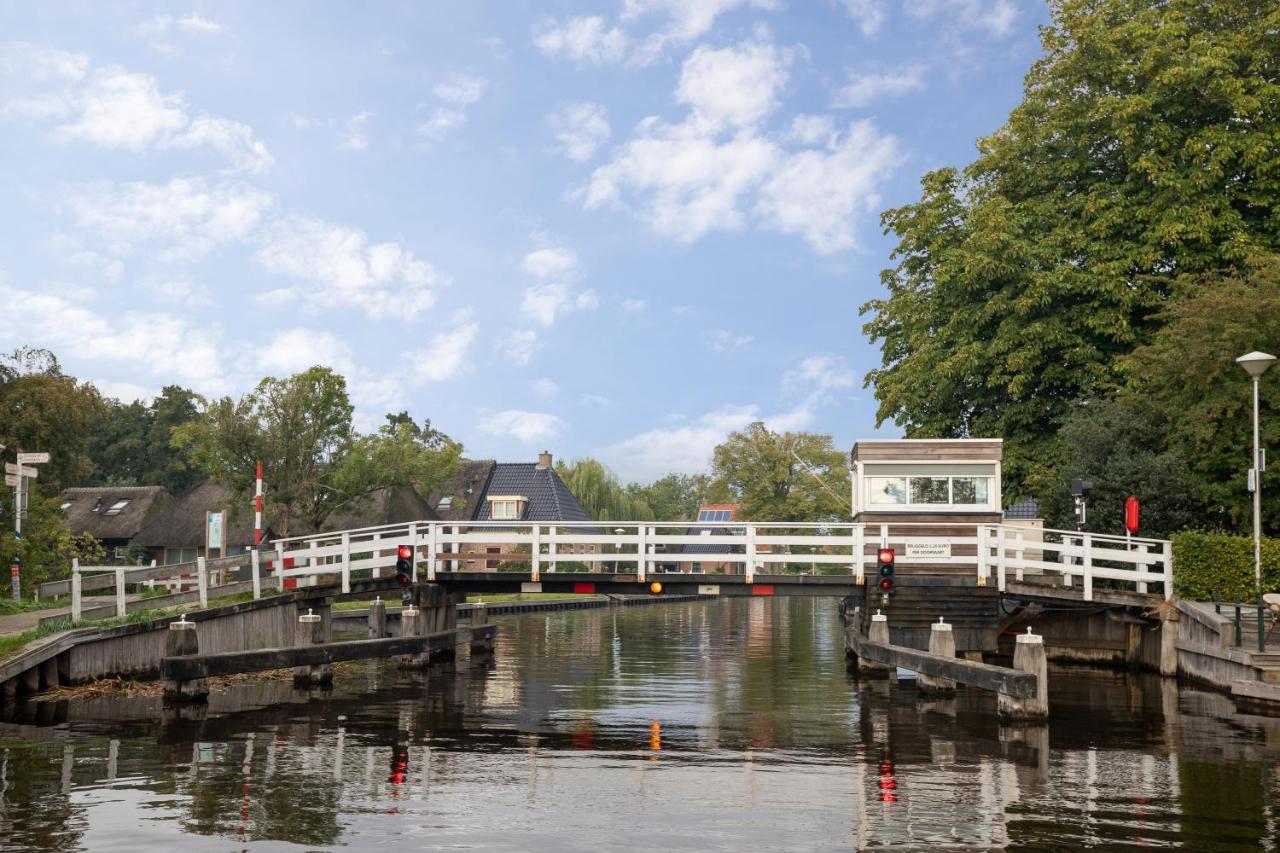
column 1019, row 554
column 1001, row 560
column 551, row 551
column 751, row 554
column 642, row 552
column 1166, row 558
column 202, row 582
column 280, row 566
column 75, row 591
column 1087, row 547
column 431, row 551
column 535, row 559
column 120, row 608
column 983, row 552
column 254, row 561
column 313, row 564
column 346, row 562
column 1143, row 566
column 859, row 554
column 413, row 543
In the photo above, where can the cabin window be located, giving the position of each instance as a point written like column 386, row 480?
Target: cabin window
column 973, row 491
column 929, row 490
column 888, row 490
column 919, row 491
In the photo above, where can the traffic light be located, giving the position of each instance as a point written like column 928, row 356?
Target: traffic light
column 404, row 566
column 885, row 558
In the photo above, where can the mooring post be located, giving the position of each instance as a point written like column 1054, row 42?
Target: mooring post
column 1169, row 642
column 310, row 632
column 1028, row 656
column 479, row 617
column 409, row 627
column 377, row 619
column 878, row 633
column 182, row 639
column 942, row 641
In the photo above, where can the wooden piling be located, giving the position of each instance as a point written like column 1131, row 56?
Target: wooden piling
column 878, row 633
column 480, row 616
column 310, row 632
column 410, row 618
column 377, row 619
column 182, row 639
column 942, row 641
column 1169, row 643
column 1028, row 656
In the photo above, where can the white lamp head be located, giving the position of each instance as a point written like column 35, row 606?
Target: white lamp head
column 1256, row 363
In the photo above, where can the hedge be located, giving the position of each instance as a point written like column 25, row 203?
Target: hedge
column 1219, row 567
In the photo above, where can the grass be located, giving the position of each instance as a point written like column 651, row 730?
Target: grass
column 9, row 607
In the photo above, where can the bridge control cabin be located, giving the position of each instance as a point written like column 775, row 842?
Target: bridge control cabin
column 926, row 498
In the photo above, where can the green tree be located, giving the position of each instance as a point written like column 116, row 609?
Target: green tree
column 1189, row 373
column 792, row 476
column 601, row 495
column 299, row 427
column 675, row 497
column 43, row 409
column 1145, row 146
column 400, row 453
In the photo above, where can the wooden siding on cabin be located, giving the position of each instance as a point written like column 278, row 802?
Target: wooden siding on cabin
column 907, row 450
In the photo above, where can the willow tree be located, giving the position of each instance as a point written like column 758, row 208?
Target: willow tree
column 601, row 494
column 1145, row 147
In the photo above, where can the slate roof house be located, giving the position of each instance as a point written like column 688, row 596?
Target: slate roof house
column 688, row 560
column 486, row 490
column 113, row 514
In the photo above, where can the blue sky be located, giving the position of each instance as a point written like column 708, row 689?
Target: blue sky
column 618, row 229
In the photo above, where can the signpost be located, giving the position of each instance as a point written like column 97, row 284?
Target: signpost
column 16, row 475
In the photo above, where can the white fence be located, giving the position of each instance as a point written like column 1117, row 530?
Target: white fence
column 745, row 548
column 89, row 578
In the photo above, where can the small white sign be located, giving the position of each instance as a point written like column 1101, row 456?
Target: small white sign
column 11, row 480
column 33, row 458
column 928, row 549
column 21, row 471
column 709, row 589
column 530, row 587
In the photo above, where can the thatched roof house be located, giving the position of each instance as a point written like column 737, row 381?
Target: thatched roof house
column 113, row 514
column 178, row 534
column 392, row 505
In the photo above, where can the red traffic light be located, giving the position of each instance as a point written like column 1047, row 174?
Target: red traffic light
column 885, row 555
column 404, row 552
column 886, row 584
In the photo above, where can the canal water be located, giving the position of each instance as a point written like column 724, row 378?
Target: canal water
column 726, row 725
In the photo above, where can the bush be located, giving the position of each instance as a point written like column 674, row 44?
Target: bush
column 1216, row 566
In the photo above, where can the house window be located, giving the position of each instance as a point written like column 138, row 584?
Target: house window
column 492, row 564
column 506, row 507
column 887, row 490
column 116, row 507
column 180, row 555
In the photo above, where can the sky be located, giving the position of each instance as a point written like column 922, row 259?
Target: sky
column 618, row 229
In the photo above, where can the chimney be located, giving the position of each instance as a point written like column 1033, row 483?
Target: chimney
column 544, row 460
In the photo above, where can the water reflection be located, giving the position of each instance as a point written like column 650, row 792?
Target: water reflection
column 730, row 725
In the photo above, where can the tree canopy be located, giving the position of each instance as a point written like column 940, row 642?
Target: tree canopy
column 792, row 476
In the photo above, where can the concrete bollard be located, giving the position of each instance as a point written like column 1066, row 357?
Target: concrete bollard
column 410, row 626
column 942, row 641
column 377, row 619
column 181, row 640
column 310, row 632
column 878, row 633
column 1028, row 656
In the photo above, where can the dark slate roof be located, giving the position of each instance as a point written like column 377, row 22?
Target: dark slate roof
column 549, row 498
column 464, row 491
column 182, row 524
column 382, row 506
column 88, row 510
column 1030, row 508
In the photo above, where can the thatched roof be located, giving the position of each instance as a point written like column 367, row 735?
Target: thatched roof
column 464, row 492
column 182, row 524
column 382, row 506
column 113, row 513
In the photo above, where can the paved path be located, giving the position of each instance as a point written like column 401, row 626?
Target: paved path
column 17, row 623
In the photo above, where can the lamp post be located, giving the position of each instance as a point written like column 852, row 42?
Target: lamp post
column 1256, row 364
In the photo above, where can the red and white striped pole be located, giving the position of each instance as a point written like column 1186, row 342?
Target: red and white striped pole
column 257, row 509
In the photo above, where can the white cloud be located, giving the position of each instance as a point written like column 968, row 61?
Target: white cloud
column 633, row 306
column 194, row 23
column 818, row 193
column 813, row 130
column 598, row 400
column 119, row 109
column 551, row 263
column 722, row 340
column 870, row 14
column 582, row 39
column 179, row 291
column 356, row 135
column 125, row 392
column 544, row 301
column 822, row 371
column 865, row 89
column 520, row 346
column 545, row 388
column 690, row 19
column 170, row 348
column 445, row 356
column 521, row 425
column 995, row 16
column 183, row 220
column 340, row 268
column 587, row 300
column 454, row 95
column 684, row 449
column 733, row 85
column 294, row 350
column 580, row 129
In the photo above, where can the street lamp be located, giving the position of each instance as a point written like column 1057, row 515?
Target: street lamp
column 1256, row 364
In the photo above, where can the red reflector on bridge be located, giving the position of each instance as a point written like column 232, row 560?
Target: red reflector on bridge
column 762, row 589
column 584, row 588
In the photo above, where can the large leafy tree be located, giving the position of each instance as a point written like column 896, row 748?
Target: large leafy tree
column 792, row 476
column 674, row 497
column 132, row 444
column 1145, row 146
column 400, row 453
column 601, row 495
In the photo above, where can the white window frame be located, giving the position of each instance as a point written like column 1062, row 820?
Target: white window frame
column 863, row 478
column 514, row 502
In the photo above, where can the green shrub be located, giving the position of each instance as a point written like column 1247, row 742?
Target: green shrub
column 1216, row 566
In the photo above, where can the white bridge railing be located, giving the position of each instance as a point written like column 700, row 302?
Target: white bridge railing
column 739, row 548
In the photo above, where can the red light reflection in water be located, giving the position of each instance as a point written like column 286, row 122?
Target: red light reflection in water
column 655, row 736
column 399, row 774
column 888, row 784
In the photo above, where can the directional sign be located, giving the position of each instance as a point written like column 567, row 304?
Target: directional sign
column 20, row 470
column 32, row 458
column 11, row 480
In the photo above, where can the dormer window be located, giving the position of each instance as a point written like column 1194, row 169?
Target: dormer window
column 506, row 507
column 446, row 502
